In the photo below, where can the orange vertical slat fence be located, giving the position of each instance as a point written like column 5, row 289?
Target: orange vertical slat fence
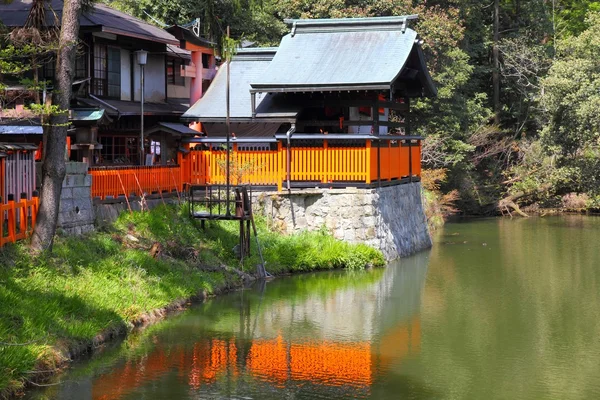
column 126, row 181
column 390, row 160
column 18, row 219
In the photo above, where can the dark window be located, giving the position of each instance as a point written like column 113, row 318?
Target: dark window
column 174, row 72
column 49, row 69
column 205, row 60
column 107, row 71
column 119, row 149
column 81, row 66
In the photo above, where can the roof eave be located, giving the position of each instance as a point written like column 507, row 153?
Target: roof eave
column 267, row 118
column 138, row 36
column 258, row 88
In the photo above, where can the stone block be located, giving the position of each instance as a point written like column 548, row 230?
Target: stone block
column 65, row 205
column 81, row 192
column 76, row 168
column 370, row 233
column 368, row 221
column 349, row 235
column 66, row 193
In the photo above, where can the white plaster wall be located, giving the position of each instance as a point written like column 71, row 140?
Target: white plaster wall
column 155, row 76
column 125, row 75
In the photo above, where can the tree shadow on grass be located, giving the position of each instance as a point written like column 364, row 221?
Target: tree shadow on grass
column 33, row 318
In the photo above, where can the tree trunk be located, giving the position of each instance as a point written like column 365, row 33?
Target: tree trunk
column 53, row 167
column 496, row 63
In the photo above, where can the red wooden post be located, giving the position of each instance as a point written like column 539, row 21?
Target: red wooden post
column 35, row 196
column 11, row 219
column 1, row 222
column 23, row 216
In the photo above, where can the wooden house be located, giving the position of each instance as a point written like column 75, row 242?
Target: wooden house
column 330, row 107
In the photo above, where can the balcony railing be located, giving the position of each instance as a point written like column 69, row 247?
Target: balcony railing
column 317, row 160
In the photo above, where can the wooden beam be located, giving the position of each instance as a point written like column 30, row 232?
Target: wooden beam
column 365, row 102
column 327, row 122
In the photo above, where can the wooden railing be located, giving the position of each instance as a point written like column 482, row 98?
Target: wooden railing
column 18, row 218
column 315, row 160
column 256, row 167
column 385, row 159
column 137, row 181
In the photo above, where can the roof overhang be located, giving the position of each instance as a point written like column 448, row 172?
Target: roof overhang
column 246, row 65
column 174, row 129
column 350, row 54
column 21, row 130
column 150, row 38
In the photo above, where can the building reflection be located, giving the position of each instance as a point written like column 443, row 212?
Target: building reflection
column 381, row 325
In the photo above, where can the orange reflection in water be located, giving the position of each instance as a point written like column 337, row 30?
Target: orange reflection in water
column 334, row 364
column 277, row 361
column 330, row 363
column 201, row 366
column 401, row 341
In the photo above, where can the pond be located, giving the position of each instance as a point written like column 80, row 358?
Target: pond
column 497, row 309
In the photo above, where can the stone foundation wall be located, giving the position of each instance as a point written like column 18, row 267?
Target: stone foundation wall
column 76, row 213
column 389, row 218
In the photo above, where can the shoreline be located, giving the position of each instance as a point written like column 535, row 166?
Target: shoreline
column 120, row 331
column 147, row 266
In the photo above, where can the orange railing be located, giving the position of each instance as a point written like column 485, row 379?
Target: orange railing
column 398, row 160
column 18, row 218
column 330, row 162
column 126, row 181
column 394, row 158
column 256, row 167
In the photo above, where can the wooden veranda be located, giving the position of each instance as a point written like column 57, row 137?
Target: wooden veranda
column 312, row 160
column 315, row 160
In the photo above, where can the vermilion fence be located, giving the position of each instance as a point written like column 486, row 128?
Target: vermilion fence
column 256, row 167
column 18, row 218
column 127, row 181
column 331, row 161
column 328, row 160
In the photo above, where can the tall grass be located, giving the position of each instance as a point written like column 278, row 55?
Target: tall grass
column 107, row 279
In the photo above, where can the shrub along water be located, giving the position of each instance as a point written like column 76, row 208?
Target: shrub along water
column 144, row 261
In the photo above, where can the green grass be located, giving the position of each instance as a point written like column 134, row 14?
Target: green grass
column 105, row 280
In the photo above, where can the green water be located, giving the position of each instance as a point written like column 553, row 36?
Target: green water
column 498, row 309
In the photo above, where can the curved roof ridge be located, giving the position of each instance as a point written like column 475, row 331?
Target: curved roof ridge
column 399, row 22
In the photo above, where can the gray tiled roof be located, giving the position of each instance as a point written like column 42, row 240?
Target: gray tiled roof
column 21, row 130
column 110, row 20
column 339, row 54
column 246, row 66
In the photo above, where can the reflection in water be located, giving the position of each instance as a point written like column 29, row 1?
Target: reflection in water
column 298, row 335
column 499, row 309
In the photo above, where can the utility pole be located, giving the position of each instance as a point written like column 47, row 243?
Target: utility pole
column 228, row 58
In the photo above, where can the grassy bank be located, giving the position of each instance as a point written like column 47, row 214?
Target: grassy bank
column 103, row 282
